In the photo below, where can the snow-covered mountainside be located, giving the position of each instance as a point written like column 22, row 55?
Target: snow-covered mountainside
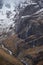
column 6, row 22
column 7, row 13
column 6, row 19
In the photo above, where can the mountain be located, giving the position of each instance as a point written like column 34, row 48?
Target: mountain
column 23, row 44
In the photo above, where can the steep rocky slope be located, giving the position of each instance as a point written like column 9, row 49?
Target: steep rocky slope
column 26, row 45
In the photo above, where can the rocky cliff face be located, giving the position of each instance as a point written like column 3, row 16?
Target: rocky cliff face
column 30, row 21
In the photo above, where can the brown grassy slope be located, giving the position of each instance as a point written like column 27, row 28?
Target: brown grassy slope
column 11, row 43
column 4, row 62
column 40, row 63
column 31, row 51
column 15, row 44
column 9, row 58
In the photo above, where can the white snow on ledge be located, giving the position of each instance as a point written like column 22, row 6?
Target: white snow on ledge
column 41, row 10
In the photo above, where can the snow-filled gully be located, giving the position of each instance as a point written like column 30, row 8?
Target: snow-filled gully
column 6, row 49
